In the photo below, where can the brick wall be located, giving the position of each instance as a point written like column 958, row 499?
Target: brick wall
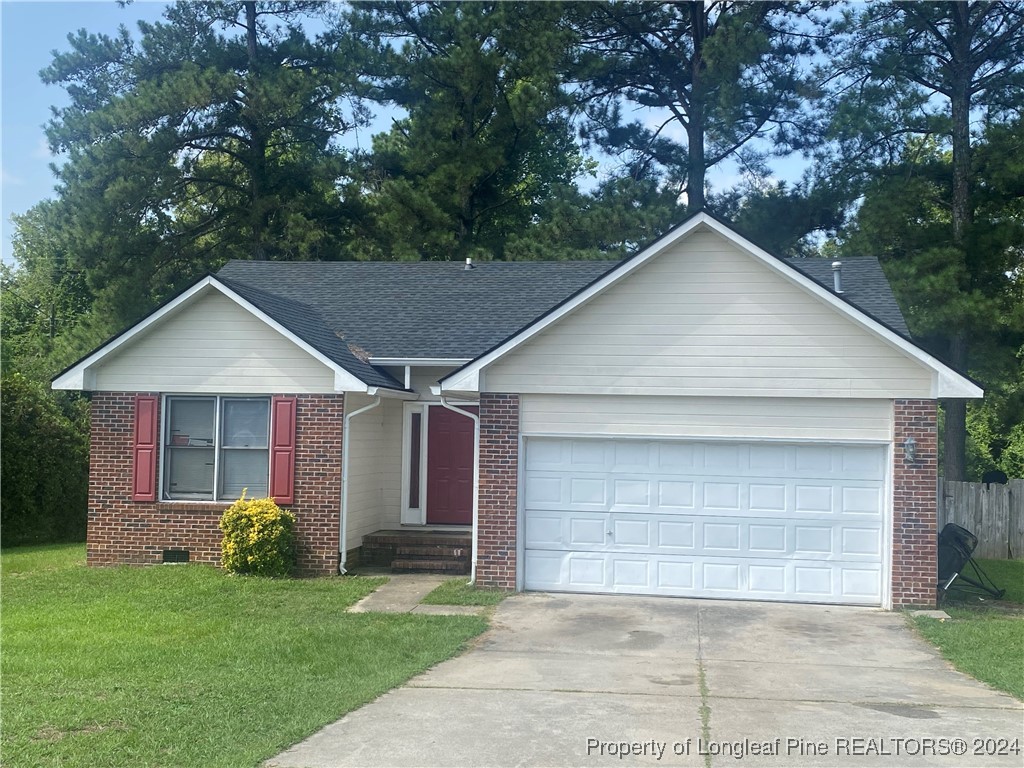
column 914, row 553
column 124, row 531
column 498, row 492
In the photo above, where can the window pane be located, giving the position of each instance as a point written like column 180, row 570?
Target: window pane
column 190, row 421
column 414, row 462
column 246, row 423
column 244, row 469
column 189, row 471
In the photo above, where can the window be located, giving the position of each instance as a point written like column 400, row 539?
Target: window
column 216, row 446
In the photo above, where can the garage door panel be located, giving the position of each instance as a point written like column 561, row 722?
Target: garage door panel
column 711, row 536
column 765, row 521
column 619, row 573
column 548, row 490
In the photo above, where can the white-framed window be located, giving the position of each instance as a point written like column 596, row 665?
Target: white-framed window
column 215, row 446
column 414, row 463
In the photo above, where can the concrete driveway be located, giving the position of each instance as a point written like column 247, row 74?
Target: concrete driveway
column 589, row 680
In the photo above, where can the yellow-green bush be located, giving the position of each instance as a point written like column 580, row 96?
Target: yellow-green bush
column 259, row 538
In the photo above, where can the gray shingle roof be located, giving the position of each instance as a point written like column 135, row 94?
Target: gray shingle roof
column 864, row 285
column 354, row 310
column 419, row 309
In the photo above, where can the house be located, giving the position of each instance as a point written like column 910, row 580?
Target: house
column 701, row 419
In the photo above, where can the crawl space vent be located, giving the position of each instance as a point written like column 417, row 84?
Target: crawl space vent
column 176, row 555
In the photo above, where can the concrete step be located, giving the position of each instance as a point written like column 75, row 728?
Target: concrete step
column 454, row 567
column 420, row 551
column 423, row 538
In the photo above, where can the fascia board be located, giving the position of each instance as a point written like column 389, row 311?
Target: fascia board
column 419, row 361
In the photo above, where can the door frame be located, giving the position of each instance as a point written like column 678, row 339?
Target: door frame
column 417, row 516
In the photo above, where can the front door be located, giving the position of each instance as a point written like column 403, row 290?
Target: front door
column 449, row 467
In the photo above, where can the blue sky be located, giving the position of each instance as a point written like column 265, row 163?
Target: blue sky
column 31, row 31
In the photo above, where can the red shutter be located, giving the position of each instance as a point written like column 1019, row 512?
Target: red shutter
column 144, row 448
column 282, row 449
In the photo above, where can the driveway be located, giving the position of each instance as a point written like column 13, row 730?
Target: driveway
column 595, row 680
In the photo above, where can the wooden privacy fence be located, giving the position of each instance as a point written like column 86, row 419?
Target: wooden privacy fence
column 993, row 513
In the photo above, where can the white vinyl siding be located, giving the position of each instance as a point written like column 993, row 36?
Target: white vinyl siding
column 706, row 319
column 214, row 347
column 374, row 466
column 716, row 417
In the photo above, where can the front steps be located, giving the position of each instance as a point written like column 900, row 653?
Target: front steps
column 419, row 551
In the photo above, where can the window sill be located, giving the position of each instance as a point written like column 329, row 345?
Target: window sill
column 184, row 505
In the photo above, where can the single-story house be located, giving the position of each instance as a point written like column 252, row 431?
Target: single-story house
column 701, row 419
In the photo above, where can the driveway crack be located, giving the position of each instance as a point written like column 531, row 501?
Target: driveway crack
column 702, row 684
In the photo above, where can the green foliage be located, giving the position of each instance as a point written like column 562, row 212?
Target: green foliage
column 259, row 538
column 44, row 463
column 486, row 138
column 708, row 78
column 212, row 136
column 924, row 69
column 618, row 217
column 905, row 221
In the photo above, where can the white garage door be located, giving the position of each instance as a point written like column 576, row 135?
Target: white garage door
column 765, row 521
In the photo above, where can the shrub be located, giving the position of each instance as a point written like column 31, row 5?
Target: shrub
column 44, row 463
column 259, row 538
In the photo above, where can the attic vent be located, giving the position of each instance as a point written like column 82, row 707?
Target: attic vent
column 469, row 263
column 837, row 276
column 176, row 555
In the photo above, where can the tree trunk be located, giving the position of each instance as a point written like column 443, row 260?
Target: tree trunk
column 954, row 432
column 257, row 142
column 696, row 165
column 962, row 71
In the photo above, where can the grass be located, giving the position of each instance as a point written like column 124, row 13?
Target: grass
column 189, row 666
column 985, row 638
column 459, row 592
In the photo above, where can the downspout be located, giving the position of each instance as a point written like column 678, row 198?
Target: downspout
column 343, row 533
column 476, row 479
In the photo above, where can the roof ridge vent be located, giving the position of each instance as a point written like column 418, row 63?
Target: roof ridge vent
column 837, row 276
column 469, row 263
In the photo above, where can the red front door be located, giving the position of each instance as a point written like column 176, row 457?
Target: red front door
column 449, row 467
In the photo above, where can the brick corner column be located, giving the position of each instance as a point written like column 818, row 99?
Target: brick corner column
column 319, row 426
column 498, row 491
column 915, row 506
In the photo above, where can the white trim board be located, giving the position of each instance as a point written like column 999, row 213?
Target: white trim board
column 946, row 382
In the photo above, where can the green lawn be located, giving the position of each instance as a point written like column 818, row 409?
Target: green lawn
column 188, row 666
column 984, row 637
column 459, row 592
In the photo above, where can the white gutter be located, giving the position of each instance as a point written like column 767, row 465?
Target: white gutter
column 343, row 533
column 476, row 478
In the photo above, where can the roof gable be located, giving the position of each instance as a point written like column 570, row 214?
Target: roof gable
column 946, row 381
column 703, row 319
column 82, row 375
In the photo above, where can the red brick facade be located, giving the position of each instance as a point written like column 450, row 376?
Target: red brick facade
column 914, row 550
column 125, row 531
column 498, row 492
